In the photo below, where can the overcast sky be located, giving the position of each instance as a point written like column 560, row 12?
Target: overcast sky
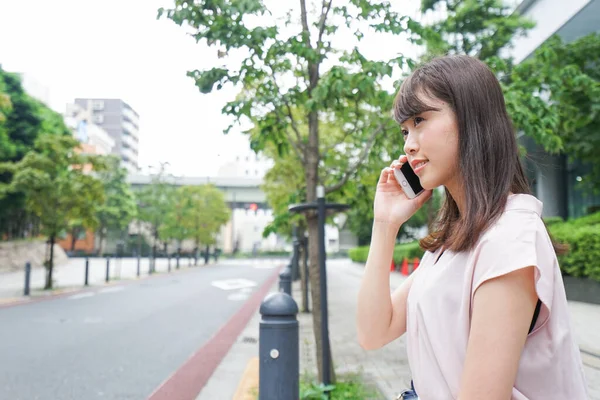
column 117, row 49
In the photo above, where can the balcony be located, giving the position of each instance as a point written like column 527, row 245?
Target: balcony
column 130, row 115
column 131, row 129
column 129, row 154
column 129, row 141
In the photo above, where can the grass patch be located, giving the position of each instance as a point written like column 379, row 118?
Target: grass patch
column 348, row 387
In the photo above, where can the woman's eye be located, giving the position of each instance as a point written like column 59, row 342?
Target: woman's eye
column 404, row 132
column 418, row 120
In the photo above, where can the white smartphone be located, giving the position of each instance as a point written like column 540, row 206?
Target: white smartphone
column 408, row 180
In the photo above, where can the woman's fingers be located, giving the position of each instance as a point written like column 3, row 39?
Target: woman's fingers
column 385, row 173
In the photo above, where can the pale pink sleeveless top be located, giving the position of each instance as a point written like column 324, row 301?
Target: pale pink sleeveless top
column 439, row 311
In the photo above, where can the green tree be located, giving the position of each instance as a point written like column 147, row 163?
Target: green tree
column 206, row 214
column 176, row 220
column 564, row 80
column 154, row 203
column 276, row 53
column 23, row 120
column 553, row 96
column 119, row 207
column 56, row 188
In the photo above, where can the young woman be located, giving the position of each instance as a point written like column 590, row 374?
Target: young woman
column 486, row 315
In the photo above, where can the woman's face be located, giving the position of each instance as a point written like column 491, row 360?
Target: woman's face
column 431, row 144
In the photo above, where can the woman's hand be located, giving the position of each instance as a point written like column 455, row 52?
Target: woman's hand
column 391, row 206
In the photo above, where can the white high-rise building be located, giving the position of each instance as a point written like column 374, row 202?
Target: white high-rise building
column 121, row 122
column 79, row 120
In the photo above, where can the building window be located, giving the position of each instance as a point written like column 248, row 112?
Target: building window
column 98, row 105
column 98, row 119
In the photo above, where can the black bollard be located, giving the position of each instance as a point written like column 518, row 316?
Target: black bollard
column 107, row 269
column 87, row 272
column 279, row 349
column 169, row 257
column 285, row 281
column 138, row 265
column 27, row 278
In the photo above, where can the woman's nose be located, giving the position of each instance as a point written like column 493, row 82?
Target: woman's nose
column 410, row 146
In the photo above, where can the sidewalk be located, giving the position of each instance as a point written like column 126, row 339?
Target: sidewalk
column 71, row 276
column 386, row 368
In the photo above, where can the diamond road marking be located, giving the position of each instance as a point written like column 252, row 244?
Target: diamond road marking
column 233, row 284
column 81, row 296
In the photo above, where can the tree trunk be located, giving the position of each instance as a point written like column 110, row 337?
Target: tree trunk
column 101, row 244
column 74, row 234
column 312, row 180
column 153, row 264
column 178, row 253
column 139, row 240
column 207, row 255
column 50, row 265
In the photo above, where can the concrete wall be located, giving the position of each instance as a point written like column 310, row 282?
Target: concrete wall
column 14, row 255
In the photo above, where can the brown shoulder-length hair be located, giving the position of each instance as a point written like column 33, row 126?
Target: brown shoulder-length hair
column 489, row 160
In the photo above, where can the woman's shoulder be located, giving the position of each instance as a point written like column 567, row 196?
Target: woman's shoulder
column 521, row 220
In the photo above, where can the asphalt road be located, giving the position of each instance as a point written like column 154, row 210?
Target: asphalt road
column 120, row 341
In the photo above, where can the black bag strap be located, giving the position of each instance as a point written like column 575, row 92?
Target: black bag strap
column 536, row 313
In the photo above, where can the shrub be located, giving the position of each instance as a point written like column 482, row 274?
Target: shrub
column 584, row 248
column 401, row 251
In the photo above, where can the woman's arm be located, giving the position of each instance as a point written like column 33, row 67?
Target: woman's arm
column 502, row 311
column 381, row 317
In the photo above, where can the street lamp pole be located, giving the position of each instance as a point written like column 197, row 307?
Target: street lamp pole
column 321, row 207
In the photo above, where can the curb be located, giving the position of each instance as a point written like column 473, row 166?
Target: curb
column 190, row 378
column 248, row 387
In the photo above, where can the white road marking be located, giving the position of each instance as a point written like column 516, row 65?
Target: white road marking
column 111, row 289
column 233, row 284
column 81, row 295
column 238, row 296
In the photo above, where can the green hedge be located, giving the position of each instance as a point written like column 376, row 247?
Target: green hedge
column 582, row 235
column 553, row 220
column 401, row 251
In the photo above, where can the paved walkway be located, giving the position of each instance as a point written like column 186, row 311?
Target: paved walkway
column 387, row 368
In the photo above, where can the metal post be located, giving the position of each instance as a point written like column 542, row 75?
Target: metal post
column 306, row 280
column 27, row 278
column 295, row 256
column 279, row 349
column 169, row 258
column 323, row 286
column 138, row 265
column 285, row 281
column 107, row 269
column 177, row 262
column 87, row 271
